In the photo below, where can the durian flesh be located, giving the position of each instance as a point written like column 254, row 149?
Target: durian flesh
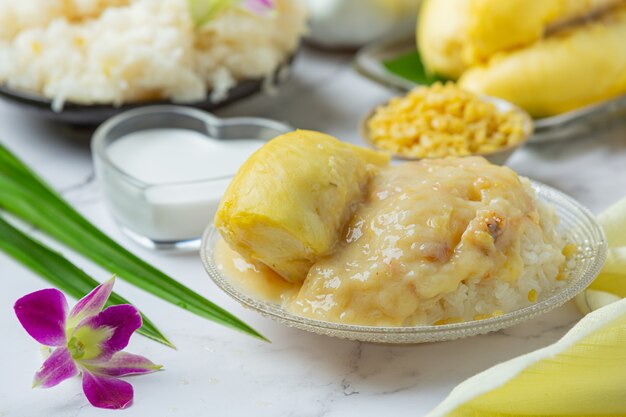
column 441, row 36
column 288, row 204
column 568, row 70
column 539, row 55
column 454, row 35
column 499, row 26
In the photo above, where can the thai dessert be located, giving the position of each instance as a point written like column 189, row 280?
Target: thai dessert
column 547, row 57
column 422, row 243
column 119, row 51
column 444, row 120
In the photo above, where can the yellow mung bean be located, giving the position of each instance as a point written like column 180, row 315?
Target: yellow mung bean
column 443, row 120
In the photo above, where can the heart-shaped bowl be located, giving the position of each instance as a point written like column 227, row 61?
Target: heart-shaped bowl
column 578, row 226
column 171, row 214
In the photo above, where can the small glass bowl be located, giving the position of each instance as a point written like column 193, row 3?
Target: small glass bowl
column 577, row 226
column 498, row 157
column 158, row 216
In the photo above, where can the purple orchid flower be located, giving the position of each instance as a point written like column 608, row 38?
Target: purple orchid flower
column 259, row 6
column 203, row 11
column 87, row 341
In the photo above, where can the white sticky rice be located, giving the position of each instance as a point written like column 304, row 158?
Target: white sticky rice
column 542, row 255
column 117, row 51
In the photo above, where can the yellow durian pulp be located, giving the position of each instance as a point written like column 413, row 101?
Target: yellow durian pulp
column 495, row 26
column 454, row 35
column 289, row 202
column 570, row 69
column 442, row 34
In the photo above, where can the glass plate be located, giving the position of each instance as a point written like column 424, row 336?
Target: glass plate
column 370, row 60
column 577, row 225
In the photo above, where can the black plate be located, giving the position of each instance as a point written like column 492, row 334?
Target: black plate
column 90, row 115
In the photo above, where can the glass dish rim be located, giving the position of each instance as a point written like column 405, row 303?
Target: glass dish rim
column 556, row 299
column 100, row 135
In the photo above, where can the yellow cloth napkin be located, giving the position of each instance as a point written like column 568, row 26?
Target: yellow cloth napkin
column 611, row 283
column 582, row 375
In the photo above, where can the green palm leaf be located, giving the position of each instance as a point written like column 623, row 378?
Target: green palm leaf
column 29, row 198
column 60, row 272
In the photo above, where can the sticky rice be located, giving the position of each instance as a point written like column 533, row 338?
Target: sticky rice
column 118, row 51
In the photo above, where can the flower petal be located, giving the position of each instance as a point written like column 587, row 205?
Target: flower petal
column 107, row 392
column 124, row 364
column 110, row 331
column 259, row 6
column 42, row 314
column 92, row 303
column 57, row 368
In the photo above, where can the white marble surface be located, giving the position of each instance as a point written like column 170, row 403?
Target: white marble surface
column 216, row 371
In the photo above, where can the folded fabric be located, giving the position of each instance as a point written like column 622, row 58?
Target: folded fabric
column 583, row 374
column 610, row 285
